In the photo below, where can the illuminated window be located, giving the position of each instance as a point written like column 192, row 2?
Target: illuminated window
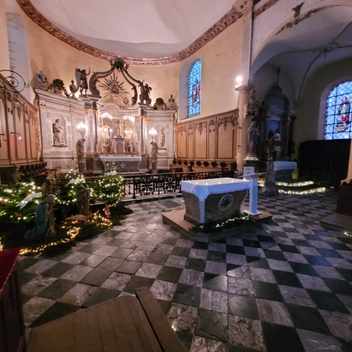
column 194, row 88
column 338, row 112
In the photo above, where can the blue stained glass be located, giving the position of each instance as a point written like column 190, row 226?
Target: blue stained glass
column 194, row 88
column 338, row 112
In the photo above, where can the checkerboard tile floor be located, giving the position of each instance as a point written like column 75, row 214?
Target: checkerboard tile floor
column 284, row 286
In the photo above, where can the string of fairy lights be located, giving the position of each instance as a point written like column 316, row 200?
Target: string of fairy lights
column 18, row 203
column 296, row 185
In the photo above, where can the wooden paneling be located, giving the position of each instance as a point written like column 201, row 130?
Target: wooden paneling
column 210, row 138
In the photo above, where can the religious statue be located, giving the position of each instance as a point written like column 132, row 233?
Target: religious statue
column 80, row 155
column 144, row 97
column 42, row 81
column 159, row 104
column 252, row 139
column 81, row 79
column 58, row 86
column 58, row 134
column 83, row 201
column 154, row 151
column 171, row 102
column 44, row 220
column 252, row 106
column 73, row 89
column 49, row 186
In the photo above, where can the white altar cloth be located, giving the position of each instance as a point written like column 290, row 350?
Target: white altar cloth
column 202, row 188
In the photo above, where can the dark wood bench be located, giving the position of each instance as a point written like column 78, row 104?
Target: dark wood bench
column 124, row 323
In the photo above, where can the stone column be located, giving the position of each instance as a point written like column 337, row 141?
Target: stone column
column 243, row 125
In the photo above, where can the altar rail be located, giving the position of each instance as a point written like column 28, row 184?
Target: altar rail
column 165, row 183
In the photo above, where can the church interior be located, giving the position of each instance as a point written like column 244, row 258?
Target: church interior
column 182, row 90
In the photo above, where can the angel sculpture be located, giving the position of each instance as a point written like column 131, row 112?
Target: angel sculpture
column 81, row 79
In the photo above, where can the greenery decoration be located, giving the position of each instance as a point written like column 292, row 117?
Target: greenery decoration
column 238, row 220
column 18, row 205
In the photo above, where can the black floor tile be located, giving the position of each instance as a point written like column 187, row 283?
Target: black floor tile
column 327, row 301
column 277, row 255
column 56, row 311
column 168, row 273
column 301, row 268
column 121, row 253
column 286, row 278
column 257, row 262
column 317, row 260
column 288, row 248
column 263, row 238
column 243, row 306
column 170, row 241
column 195, row 264
column 328, row 253
column 188, row 295
column 138, row 281
column 234, row 249
column 339, row 286
column 180, row 251
column 212, row 325
column 57, row 289
column 339, row 246
column 26, row 263
column 215, row 282
column 346, row 273
column 128, row 267
column 216, row 256
column 279, row 338
column 251, row 243
column 267, row 291
column 57, row 270
column 96, row 277
column 24, row 277
column 307, row 318
column 200, row 245
column 89, row 248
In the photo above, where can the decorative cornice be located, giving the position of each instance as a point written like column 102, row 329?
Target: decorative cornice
column 231, row 17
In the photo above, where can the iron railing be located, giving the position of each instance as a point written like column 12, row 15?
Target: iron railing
column 161, row 184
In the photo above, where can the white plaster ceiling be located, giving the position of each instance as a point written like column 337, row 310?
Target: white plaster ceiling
column 137, row 28
column 313, row 43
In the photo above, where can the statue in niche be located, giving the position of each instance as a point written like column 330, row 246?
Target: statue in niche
column 44, row 220
column 81, row 80
column 42, row 81
column 144, row 97
column 159, row 104
column 252, row 106
column 58, row 134
column 252, row 139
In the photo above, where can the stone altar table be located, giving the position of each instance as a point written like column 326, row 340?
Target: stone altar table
column 214, row 199
column 123, row 163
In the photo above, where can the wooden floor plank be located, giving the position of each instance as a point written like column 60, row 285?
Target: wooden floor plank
column 106, row 328
column 65, row 329
column 160, row 324
column 144, row 330
column 81, row 329
column 94, row 336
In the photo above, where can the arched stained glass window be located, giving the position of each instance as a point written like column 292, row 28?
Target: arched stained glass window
column 338, row 112
column 194, row 88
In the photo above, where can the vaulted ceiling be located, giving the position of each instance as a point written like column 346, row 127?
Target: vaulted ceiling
column 152, row 32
